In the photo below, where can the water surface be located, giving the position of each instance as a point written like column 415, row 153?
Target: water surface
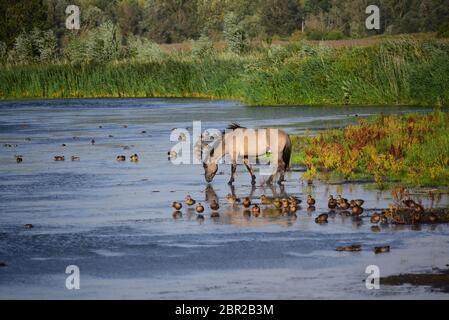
column 114, row 220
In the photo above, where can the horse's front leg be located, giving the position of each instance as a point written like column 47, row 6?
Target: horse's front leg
column 250, row 170
column 233, row 169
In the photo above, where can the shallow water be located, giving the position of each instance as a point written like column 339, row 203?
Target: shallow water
column 114, row 220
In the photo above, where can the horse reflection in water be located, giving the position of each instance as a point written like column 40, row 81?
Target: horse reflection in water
column 238, row 215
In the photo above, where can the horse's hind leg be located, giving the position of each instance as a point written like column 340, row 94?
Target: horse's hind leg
column 233, row 169
column 250, row 170
column 281, row 169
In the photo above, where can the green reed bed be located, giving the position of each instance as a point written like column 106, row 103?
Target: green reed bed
column 398, row 72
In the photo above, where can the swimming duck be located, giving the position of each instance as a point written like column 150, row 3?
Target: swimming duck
column 144, row 131
column 125, row 126
column 214, row 205
column 63, row 145
column 199, row 208
column 28, row 226
column 416, row 217
column 356, row 202
column 433, row 217
column 381, row 249
column 247, row 202
column 344, row 204
column 255, row 210
column 265, row 200
column 59, row 158
column 310, row 200
column 375, row 218
column 294, row 200
column 292, row 208
column 232, row 199
column 121, row 158
column 190, row 201
column 332, row 203
column 134, row 157
column 350, row 248
column 176, row 205
column 19, row 159
column 322, row 218
column 356, row 210
column 277, row 203
column 92, row 141
column 76, row 158
column 110, row 136
column 172, row 155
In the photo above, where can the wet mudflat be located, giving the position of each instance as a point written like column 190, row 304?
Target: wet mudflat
column 113, row 219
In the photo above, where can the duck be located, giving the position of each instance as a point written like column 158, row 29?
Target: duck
column 265, row 200
column 381, row 249
column 310, row 201
column 121, row 158
column 110, row 136
column 76, row 158
column 190, row 201
column 92, row 141
column 357, row 202
column 143, row 131
column 383, row 218
column 285, row 204
column 134, row 157
column 350, row 248
column 28, row 226
column 19, row 159
column 255, row 210
column 232, row 199
column 247, row 202
column 63, row 145
column 344, row 204
column 433, row 217
column 294, row 200
column 375, row 218
column 322, row 218
column 340, row 199
column 292, row 208
column 176, row 205
column 416, row 217
column 199, row 208
column 2, row 264
column 357, row 210
column 277, row 203
column 172, row 155
column 332, row 203
column 214, row 205
column 59, row 158
column 125, row 126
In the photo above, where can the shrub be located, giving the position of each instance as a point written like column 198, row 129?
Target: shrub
column 143, row 50
column 234, row 34
column 202, row 48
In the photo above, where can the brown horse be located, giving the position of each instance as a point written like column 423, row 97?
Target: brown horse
column 250, row 144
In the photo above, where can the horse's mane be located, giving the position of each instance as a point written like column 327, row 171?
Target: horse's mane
column 234, row 126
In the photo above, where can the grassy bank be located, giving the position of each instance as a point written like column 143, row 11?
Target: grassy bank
column 402, row 71
column 409, row 149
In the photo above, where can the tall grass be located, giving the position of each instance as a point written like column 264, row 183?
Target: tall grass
column 404, row 71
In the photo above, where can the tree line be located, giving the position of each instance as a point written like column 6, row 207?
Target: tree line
column 34, row 30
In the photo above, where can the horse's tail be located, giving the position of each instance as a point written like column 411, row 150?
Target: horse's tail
column 287, row 152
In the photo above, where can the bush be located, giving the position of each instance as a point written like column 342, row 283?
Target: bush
column 234, row 34
column 143, row 50
column 202, row 48
column 102, row 43
column 334, row 35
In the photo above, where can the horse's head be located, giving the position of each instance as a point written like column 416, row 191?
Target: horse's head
column 210, row 169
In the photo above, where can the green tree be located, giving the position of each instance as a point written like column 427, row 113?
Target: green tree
column 234, row 34
column 280, row 17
